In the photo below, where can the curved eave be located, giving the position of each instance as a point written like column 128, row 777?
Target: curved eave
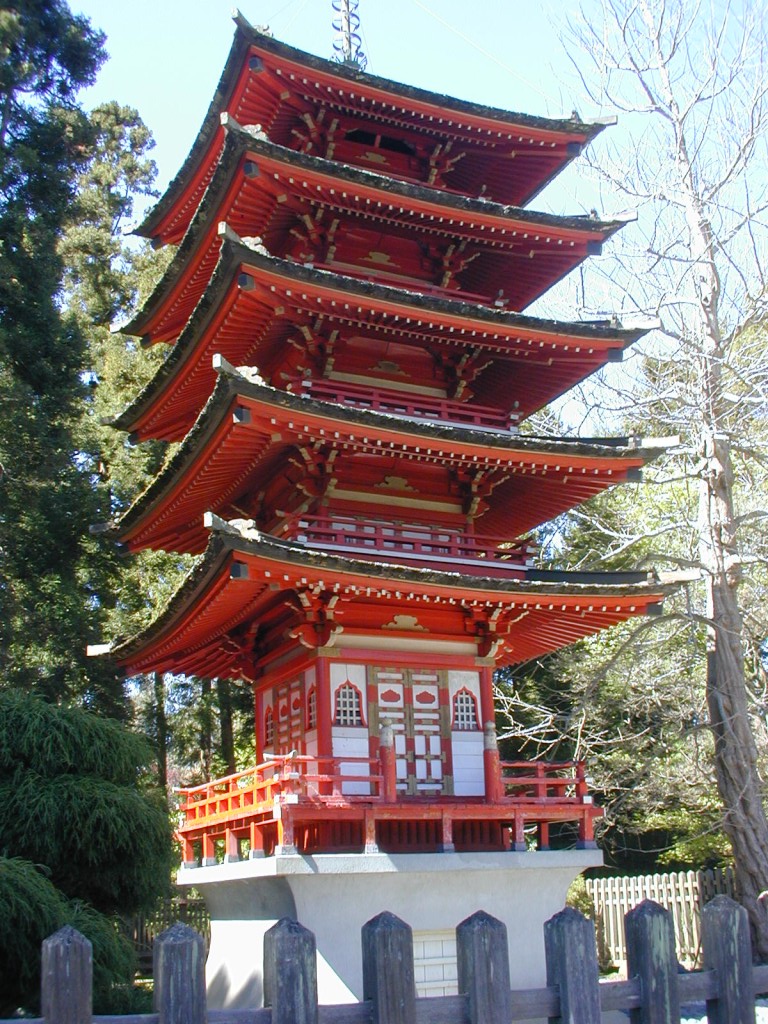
column 168, row 404
column 186, row 189
column 244, row 422
column 243, row 570
column 567, row 239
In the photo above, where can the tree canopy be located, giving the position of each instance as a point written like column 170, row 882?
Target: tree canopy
column 688, row 80
column 84, row 835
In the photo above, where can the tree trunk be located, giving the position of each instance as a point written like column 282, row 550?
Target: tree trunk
column 206, row 728
column 224, row 693
column 161, row 729
column 738, row 780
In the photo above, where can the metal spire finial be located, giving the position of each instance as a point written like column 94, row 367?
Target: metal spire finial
column 347, row 45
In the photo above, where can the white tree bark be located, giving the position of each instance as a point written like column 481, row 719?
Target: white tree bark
column 698, row 87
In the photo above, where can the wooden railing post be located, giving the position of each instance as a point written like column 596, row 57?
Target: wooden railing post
column 494, row 787
column 483, row 968
column 290, row 973
column 388, row 979
column 651, row 957
column 179, row 973
column 67, row 978
column 388, row 763
column 728, row 951
column 569, row 943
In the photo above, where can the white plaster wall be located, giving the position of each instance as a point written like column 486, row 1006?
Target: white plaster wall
column 468, row 772
column 335, row 894
column 342, row 673
column 463, row 679
column 352, row 741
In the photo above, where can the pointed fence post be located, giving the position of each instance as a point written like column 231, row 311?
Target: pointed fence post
column 290, row 973
column 569, row 944
column 67, row 978
column 179, row 973
column 728, row 951
column 651, row 957
column 388, row 970
column 483, row 968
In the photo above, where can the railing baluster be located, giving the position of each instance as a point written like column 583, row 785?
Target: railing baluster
column 483, row 968
column 66, row 978
column 388, row 979
column 290, row 973
column 728, row 951
column 179, row 972
column 569, row 941
column 652, row 958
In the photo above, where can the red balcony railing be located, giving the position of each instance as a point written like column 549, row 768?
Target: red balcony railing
column 307, row 804
column 401, row 403
column 490, row 556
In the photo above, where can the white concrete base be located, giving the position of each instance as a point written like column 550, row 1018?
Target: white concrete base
column 335, row 894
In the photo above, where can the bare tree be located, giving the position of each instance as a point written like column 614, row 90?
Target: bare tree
column 689, row 80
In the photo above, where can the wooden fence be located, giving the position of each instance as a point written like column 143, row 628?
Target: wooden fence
column 682, row 893
column 142, row 930
column 654, row 992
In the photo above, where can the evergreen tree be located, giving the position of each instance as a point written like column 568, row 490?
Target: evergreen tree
column 83, row 837
column 50, row 599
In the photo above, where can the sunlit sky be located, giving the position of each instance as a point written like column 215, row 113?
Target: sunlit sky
column 166, row 57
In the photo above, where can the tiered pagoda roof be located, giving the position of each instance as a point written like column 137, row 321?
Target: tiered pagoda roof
column 287, row 318
column 353, row 239
column 233, row 607
column 367, row 225
column 348, row 368
column 249, row 432
column 335, row 111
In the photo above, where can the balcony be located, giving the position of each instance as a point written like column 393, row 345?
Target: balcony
column 407, row 404
column 300, row 804
column 413, row 544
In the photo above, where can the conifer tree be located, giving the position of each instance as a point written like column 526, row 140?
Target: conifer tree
column 49, row 596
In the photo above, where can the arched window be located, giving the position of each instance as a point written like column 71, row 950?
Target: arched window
column 464, row 710
column 312, row 708
column 348, row 706
column 269, row 727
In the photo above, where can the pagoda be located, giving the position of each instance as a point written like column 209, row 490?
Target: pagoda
column 348, row 369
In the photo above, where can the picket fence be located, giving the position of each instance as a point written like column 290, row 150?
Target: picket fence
column 654, row 992
column 682, row 893
column 142, row 930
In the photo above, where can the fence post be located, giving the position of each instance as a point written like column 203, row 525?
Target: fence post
column 179, row 973
column 651, row 957
column 388, row 970
column 290, row 973
column 483, row 968
column 67, row 978
column 727, row 949
column 569, row 944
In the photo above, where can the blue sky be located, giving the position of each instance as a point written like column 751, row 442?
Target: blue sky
column 166, row 56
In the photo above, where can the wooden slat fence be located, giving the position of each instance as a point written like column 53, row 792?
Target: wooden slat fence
column 143, row 929
column 654, row 992
column 682, row 893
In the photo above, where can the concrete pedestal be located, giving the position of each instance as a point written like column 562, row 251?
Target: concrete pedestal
column 335, row 894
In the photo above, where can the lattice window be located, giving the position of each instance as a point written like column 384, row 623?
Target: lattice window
column 348, row 705
column 464, row 711
column 269, row 727
column 312, row 708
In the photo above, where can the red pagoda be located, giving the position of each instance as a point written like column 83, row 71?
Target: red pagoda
column 347, row 372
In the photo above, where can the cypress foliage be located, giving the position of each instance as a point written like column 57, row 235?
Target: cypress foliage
column 83, row 836
column 70, row 798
